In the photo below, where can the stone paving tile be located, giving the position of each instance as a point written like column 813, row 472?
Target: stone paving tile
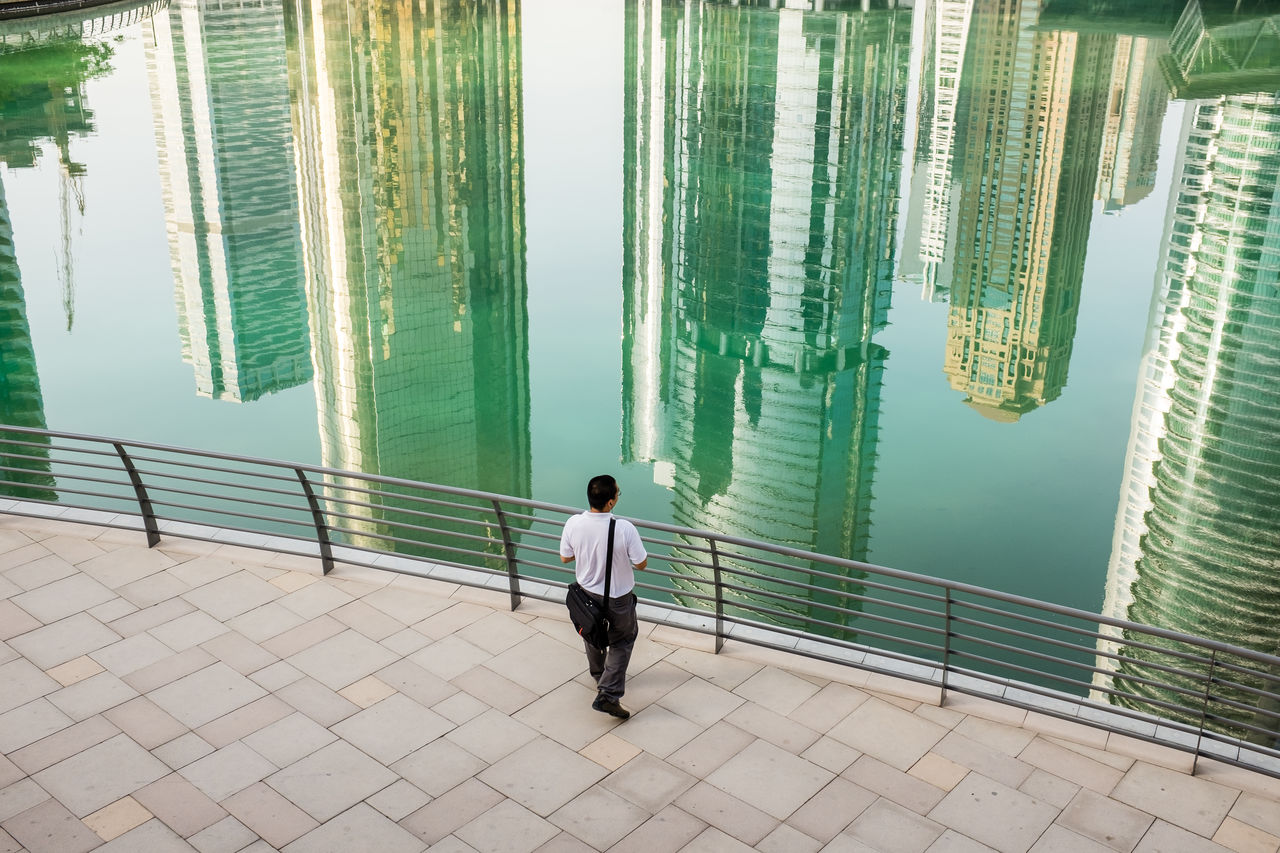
column 226, row 836
column 150, row 617
column 152, row 590
column 101, row 774
column 710, row 749
column 92, row 696
column 1166, row 838
column 132, row 654
column 700, row 701
column 267, row 622
column 888, row 826
column 50, row 828
column 60, row 599
column 658, row 731
column 891, row 783
column 228, row 770
column 1235, row 835
column 63, row 640
column 896, row 737
column 780, row 692
column 727, row 813
column 182, row 750
column 492, row 736
column 125, row 565
column 507, row 827
column 1070, row 765
column 496, row 632
column 289, row 739
column 30, row 723
column 769, row 778
column 184, row 807
column 22, row 683
column 494, row 690
column 238, row 652
column 14, row 620
column 276, row 820
column 392, row 728
column 713, row 840
column 350, row 776
column 19, row 796
column 1193, row 804
column 565, row 715
column 649, row 782
column 360, row 827
column 187, row 631
column 317, row 701
column 832, row 809
column 784, row 839
column 314, row 600
column 539, row 664
column 63, row 744
column 168, row 670
column 994, row 814
column 452, row 810
column 228, row 597
column 37, row 566
column 152, row 837
column 398, row 800
column 206, row 694
column 439, row 767
column 342, row 659
column 771, row 726
column 416, row 683
column 974, row 755
column 542, row 776
column 118, row 818
column 599, row 817
column 1107, row 822
column 245, row 720
column 666, row 832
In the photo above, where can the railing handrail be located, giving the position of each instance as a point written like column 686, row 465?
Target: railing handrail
column 875, row 622
column 678, row 530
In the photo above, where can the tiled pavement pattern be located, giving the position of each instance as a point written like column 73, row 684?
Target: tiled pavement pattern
column 214, row 698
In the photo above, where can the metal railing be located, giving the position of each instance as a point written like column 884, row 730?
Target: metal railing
column 1192, row 693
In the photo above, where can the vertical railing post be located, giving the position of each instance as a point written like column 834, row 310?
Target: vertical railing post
column 140, row 492
column 1204, row 708
column 715, row 571
column 317, row 517
column 946, row 647
column 509, row 548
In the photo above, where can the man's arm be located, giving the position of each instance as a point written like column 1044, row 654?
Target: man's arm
column 640, row 565
column 565, row 559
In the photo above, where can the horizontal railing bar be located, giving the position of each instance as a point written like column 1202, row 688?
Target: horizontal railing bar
column 1013, row 632
column 404, row 526
column 859, row 613
column 52, row 475
column 386, row 537
column 325, row 486
column 225, row 512
column 953, row 586
column 729, row 569
column 473, row 522
column 215, row 468
column 17, row 484
column 51, row 447
column 54, row 462
column 225, row 498
column 153, row 486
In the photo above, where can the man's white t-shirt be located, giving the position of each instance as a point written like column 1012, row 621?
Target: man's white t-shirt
column 586, row 537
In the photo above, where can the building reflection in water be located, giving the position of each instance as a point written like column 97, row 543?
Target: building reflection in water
column 1196, row 539
column 220, row 101
column 42, row 101
column 1136, row 102
column 1029, row 125
column 761, row 166
column 409, row 138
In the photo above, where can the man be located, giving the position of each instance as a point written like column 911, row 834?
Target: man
column 585, row 539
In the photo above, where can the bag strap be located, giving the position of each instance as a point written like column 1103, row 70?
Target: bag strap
column 608, row 566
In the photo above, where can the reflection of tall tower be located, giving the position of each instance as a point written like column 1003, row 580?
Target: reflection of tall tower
column 761, row 174
column 1198, row 530
column 947, row 48
column 1131, row 132
column 20, row 400
column 219, row 88
column 1028, row 162
column 410, row 147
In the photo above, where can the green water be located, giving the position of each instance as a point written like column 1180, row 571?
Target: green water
column 984, row 294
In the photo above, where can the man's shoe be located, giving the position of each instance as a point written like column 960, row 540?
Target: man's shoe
column 610, row 706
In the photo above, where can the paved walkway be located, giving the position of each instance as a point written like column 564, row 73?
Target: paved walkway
column 215, row 698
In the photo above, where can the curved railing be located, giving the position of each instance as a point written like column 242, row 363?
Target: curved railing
column 1191, row 693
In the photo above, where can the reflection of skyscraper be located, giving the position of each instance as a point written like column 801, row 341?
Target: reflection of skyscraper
column 1197, row 538
column 20, row 400
column 219, row 89
column 1131, row 132
column 947, row 49
column 1028, row 138
column 761, row 173
column 410, row 170
column 1220, row 48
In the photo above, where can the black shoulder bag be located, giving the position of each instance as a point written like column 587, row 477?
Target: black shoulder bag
column 591, row 619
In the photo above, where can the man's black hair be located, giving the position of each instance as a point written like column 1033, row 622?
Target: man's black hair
column 601, row 490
